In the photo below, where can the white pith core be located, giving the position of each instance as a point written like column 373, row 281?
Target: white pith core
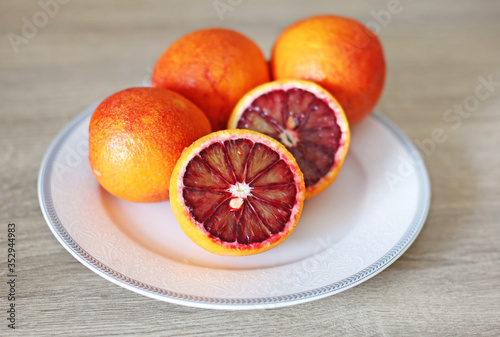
column 239, row 191
column 288, row 137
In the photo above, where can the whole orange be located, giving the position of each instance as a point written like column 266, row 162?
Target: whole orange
column 338, row 53
column 135, row 138
column 213, row 68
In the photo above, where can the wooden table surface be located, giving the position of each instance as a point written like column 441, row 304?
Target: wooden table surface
column 440, row 54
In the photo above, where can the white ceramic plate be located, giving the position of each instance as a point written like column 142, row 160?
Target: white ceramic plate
column 346, row 235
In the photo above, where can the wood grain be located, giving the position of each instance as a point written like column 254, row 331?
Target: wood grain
column 446, row 284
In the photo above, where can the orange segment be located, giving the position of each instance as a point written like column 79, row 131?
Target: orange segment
column 300, row 103
column 237, row 151
column 260, row 159
column 203, row 202
column 270, row 107
column 279, row 194
column 216, row 158
column 274, row 216
column 276, row 174
column 200, row 175
column 223, row 223
column 237, row 192
column 251, row 229
column 306, row 119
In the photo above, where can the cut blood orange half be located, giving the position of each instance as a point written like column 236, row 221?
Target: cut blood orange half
column 305, row 118
column 237, row 192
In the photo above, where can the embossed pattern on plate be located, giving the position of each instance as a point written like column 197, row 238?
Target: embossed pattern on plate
column 349, row 233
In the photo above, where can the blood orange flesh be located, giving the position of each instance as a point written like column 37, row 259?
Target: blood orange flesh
column 311, row 125
column 239, row 190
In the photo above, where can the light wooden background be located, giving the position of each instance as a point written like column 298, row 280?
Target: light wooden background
column 446, row 284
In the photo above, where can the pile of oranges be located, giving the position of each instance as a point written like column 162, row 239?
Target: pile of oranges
column 326, row 73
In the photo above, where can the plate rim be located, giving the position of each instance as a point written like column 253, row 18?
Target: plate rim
column 57, row 228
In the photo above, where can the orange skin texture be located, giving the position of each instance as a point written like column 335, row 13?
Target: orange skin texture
column 195, row 230
column 213, row 68
column 338, row 53
column 135, row 138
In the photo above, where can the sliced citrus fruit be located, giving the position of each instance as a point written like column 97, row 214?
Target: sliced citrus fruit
column 305, row 118
column 237, row 192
